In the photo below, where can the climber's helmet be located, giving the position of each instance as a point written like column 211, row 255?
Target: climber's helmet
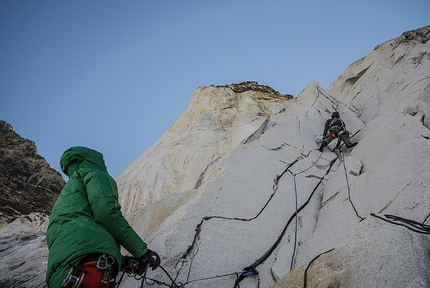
column 335, row 115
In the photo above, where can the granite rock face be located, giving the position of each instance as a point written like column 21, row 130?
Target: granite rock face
column 24, row 253
column 216, row 120
column 238, row 181
column 248, row 174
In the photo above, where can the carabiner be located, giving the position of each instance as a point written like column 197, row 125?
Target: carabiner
column 105, row 262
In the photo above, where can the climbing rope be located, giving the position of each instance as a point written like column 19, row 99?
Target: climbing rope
column 349, row 189
column 410, row 224
column 309, row 265
column 313, row 164
column 251, row 270
column 342, row 159
column 296, row 228
column 247, row 271
column 295, row 193
column 213, row 277
column 141, row 276
column 299, row 209
column 426, row 219
column 295, row 215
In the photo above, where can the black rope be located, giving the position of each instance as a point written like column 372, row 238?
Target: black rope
column 144, row 279
column 410, row 224
column 240, row 276
column 170, row 277
column 309, row 265
column 212, row 277
column 144, row 276
column 298, row 209
column 426, row 219
column 265, row 205
column 270, row 251
column 175, row 284
column 295, row 192
column 191, row 260
column 120, row 280
column 349, row 189
column 313, row 164
column 160, row 283
column 295, row 230
column 273, row 247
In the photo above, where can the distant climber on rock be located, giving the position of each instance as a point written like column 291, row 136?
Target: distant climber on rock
column 335, row 128
column 86, row 227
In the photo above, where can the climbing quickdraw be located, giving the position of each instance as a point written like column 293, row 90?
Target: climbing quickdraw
column 74, row 278
column 104, row 263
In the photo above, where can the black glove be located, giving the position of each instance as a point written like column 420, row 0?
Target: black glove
column 150, row 258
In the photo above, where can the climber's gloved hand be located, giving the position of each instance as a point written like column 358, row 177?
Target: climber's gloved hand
column 150, row 258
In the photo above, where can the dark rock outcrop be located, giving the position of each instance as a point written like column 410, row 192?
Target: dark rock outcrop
column 421, row 35
column 27, row 182
column 254, row 86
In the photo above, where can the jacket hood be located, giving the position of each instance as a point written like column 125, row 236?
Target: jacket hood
column 79, row 157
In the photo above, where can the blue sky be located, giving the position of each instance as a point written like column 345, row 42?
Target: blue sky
column 115, row 75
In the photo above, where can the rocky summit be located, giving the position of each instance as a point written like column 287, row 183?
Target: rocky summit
column 237, row 194
column 27, row 184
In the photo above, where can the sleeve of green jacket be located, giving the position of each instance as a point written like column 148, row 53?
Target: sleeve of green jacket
column 103, row 198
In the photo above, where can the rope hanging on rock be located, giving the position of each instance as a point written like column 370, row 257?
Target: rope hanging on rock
column 252, row 269
column 305, row 283
column 410, row 224
column 349, row 189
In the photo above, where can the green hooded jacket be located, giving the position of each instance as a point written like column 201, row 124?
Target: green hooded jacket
column 86, row 217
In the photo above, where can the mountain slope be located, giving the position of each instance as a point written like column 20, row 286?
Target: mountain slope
column 238, row 181
column 242, row 211
column 216, row 120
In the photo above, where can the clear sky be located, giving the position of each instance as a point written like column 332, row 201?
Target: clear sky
column 115, row 75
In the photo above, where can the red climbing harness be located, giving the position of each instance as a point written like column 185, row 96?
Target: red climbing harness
column 93, row 272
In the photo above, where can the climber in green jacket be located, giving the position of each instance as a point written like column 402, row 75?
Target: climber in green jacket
column 86, row 226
